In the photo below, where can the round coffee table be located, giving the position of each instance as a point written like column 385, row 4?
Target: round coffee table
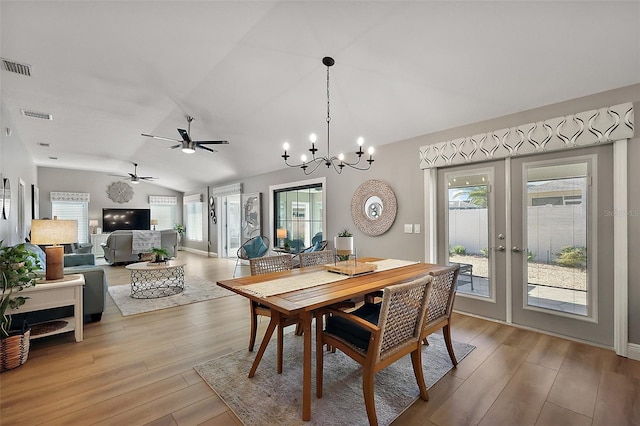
column 151, row 280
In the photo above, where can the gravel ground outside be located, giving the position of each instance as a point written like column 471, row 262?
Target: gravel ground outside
column 539, row 273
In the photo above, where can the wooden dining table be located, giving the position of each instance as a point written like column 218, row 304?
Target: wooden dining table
column 302, row 303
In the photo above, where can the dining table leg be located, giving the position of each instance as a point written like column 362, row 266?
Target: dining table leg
column 273, row 323
column 306, row 373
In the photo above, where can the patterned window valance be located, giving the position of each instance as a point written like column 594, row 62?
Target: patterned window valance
column 70, row 197
column 163, row 199
column 223, row 191
column 195, row 198
column 604, row 125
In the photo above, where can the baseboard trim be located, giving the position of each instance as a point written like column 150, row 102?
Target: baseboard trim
column 196, row 251
column 633, row 351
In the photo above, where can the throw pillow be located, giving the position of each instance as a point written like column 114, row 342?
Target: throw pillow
column 256, row 248
column 42, row 257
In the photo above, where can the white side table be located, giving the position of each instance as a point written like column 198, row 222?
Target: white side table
column 96, row 240
column 66, row 291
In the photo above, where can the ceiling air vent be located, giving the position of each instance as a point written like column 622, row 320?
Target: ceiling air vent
column 35, row 114
column 16, row 67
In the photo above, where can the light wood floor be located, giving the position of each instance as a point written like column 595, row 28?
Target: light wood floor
column 139, row 370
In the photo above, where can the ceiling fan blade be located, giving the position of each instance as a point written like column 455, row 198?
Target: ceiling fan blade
column 160, row 137
column 185, row 135
column 132, row 175
column 212, row 142
column 205, row 148
column 175, row 146
column 146, row 177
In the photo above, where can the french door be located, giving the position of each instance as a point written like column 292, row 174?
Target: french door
column 532, row 244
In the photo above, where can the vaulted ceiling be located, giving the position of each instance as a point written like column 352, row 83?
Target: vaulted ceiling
column 250, row 72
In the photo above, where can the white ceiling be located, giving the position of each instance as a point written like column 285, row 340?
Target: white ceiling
column 251, row 73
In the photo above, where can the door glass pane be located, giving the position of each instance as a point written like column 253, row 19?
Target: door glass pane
column 298, row 214
column 233, row 224
column 556, row 223
column 469, row 232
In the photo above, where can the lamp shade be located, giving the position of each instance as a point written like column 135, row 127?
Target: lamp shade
column 54, row 231
column 281, row 233
column 154, row 221
column 93, row 222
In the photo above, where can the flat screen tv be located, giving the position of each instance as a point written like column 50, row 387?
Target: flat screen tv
column 116, row 219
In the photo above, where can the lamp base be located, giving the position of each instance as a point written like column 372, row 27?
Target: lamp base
column 55, row 262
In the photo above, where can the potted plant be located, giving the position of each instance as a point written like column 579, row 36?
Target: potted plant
column 180, row 229
column 344, row 244
column 17, row 266
column 160, row 254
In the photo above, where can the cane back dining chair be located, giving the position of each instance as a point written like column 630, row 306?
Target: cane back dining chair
column 264, row 265
column 316, row 258
column 443, row 293
column 377, row 335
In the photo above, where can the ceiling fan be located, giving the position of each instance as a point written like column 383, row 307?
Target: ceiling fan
column 187, row 145
column 134, row 176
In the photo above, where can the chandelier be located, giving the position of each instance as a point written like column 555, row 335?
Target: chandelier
column 337, row 162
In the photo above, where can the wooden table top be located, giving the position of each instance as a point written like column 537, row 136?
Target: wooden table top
column 312, row 298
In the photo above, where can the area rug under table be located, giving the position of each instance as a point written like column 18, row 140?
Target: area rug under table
column 276, row 399
column 196, row 289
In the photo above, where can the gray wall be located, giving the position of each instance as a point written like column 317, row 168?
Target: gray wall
column 96, row 184
column 397, row 164
column 15, row 164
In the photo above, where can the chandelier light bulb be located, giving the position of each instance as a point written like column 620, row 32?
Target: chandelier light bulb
column 313, row 138
column 303, row 158
column 370, row 150
column 286, row 146
column 360, row 141
column 341, row 157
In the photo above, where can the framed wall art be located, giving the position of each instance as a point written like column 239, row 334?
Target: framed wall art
column 251, row 215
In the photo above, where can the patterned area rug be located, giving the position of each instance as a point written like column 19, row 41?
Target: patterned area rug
column 196, row 289
column 270, row 398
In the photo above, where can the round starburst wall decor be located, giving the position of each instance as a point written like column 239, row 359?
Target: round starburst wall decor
column 120, row 192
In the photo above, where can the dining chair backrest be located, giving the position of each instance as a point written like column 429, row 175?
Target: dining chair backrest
column 266, row 264
column 316, row 258
column 443, row 291
column 402, row 315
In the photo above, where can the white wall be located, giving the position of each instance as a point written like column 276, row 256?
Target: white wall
column 15, row 164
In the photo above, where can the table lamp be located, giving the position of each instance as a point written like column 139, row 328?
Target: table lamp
column 93, row 223
column 281, row 233
column 54, row 232
column 154, row 222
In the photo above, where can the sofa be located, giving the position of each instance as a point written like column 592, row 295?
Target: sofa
column 94, row 290
column 118, row 247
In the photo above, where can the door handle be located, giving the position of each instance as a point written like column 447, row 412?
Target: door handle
column 501, row 248
column 516, row 249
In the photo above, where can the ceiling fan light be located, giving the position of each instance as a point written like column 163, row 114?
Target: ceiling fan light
column 135, row 181
column 188, row 150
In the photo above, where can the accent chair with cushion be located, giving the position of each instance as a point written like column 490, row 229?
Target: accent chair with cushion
column 253, row 248
column 376, row 335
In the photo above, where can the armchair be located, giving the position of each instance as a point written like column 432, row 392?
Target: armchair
column 253, row 248
column 376, row 335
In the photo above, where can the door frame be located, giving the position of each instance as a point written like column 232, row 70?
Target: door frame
column 620, row 266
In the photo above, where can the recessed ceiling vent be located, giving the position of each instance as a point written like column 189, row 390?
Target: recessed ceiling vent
column 35, row 114
column 16, row 67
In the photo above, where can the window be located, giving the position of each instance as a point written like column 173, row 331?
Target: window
column 163, row 209
column 298, row 208
column 194, row 217
column 72, row 206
